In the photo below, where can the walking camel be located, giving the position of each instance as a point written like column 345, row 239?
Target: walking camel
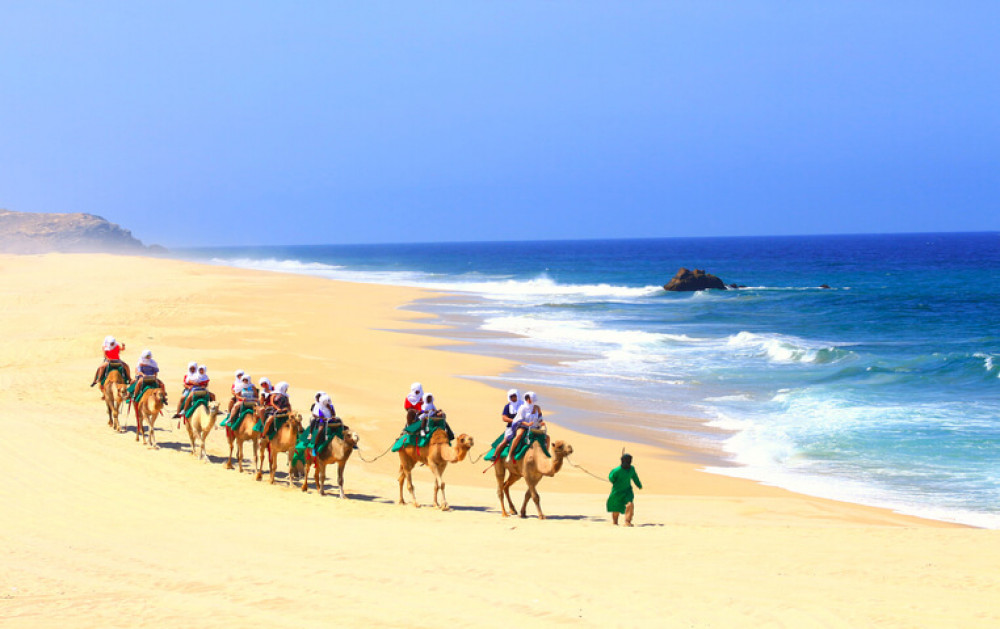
column 436, row 455
column 532, row 468
column 147, row 409
column 199, row 425
column 284, row 441
column 114, row 393
column 245, row 432
column 337, row 451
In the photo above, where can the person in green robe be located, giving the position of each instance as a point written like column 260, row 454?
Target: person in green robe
column 622, row 498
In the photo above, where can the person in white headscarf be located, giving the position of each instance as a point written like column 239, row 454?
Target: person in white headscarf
column 266, row 388
column 529, row 417
column 312, row 409
column 186, row 383
column 112, row 352
column 237, row 383
column 147, row 368
column 277, row 404
column 507, row 416
column 414, row 402
column 430, row 411
column 198, row 382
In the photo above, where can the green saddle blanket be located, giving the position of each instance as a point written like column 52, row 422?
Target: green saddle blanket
column 522, row 448
column 234, row 423
column 114, row 365
column 280, row 419
column 198, row 398
column 411, row 434
column 315, row 439
column 142, row 384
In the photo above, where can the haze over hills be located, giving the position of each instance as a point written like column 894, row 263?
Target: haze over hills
column 31, row 232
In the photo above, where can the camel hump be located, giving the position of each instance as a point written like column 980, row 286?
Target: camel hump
column 439, row 437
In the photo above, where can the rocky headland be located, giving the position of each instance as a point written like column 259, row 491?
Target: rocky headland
column 31, row 232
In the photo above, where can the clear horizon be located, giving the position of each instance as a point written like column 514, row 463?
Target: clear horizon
column 250, row 125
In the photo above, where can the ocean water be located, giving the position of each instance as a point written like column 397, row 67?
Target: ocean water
column 883, row 390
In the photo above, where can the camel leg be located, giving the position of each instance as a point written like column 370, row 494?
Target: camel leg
column 140, row 430
column 289, row 455
column 194, row 440
column 229, row 461
column 511, row 479
column 239, row 454
column 258, row 459
column 272, row 460
column 305, row 479
column 533, row 492
column 524, row 505
column 402, row 477
column 409, row 485
column 500, row 474
column 321, row 478
column 340, row 477
column 152, row 432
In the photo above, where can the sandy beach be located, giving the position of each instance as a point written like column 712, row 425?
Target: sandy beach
column 100, row 531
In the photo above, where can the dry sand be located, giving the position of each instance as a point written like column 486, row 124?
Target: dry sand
column 100, row 531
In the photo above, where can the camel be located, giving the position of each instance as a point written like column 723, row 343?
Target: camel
column 336, row 451
column 113, row 392
column 284, row 441
column 436, row 455
column 201, row 423
column 147, row 409
column 246, row 433
column 531, row 468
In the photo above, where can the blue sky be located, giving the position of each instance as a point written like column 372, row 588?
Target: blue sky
column 325, row 122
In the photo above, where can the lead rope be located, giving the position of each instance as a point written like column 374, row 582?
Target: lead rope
column 376, row 458
column 478, row 458
column 586, row 471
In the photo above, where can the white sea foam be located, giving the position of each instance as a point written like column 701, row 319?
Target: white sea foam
column 780, row 348
column 535, row 290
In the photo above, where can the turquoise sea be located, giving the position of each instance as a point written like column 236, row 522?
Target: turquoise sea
column 883, row 390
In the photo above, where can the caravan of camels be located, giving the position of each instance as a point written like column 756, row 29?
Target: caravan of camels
column 261, row 414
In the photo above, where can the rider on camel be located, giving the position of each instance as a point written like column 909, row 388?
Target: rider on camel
column 277, row 404
column 147, row 368
column 187, row 383
column 197, row 382
column 529, row 417
column 237, row 383
column 508, row 415
column 323, row 413
column 112, row 351
column 414, row 402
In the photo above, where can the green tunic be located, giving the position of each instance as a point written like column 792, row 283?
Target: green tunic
column 621, row 488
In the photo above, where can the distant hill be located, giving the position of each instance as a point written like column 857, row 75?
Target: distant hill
column 29, row 232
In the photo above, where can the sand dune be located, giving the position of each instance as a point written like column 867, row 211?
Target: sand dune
column 100, row 531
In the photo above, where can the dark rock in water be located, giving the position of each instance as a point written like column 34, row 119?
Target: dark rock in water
column 825, row 286
column 734, row 286
column 687, row 280
column 30, row 232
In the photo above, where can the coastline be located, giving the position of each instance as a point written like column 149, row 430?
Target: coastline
column 99, row 514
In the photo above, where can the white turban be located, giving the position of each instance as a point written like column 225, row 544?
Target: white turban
column 239, row 374
column 265, row 380
column 192, row 365
column 428, row 397
column 512, row 392
column 109, row 342
column 203, row 368
column 282, row 388
column 416, row 393
column 146, row 354
column 531, row 394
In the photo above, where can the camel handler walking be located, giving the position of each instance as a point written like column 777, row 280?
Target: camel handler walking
column 622, row 498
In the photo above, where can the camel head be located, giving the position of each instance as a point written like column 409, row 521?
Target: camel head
column 562, row 448
column 351, row 438
column 213, row 408
column 465, row 442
